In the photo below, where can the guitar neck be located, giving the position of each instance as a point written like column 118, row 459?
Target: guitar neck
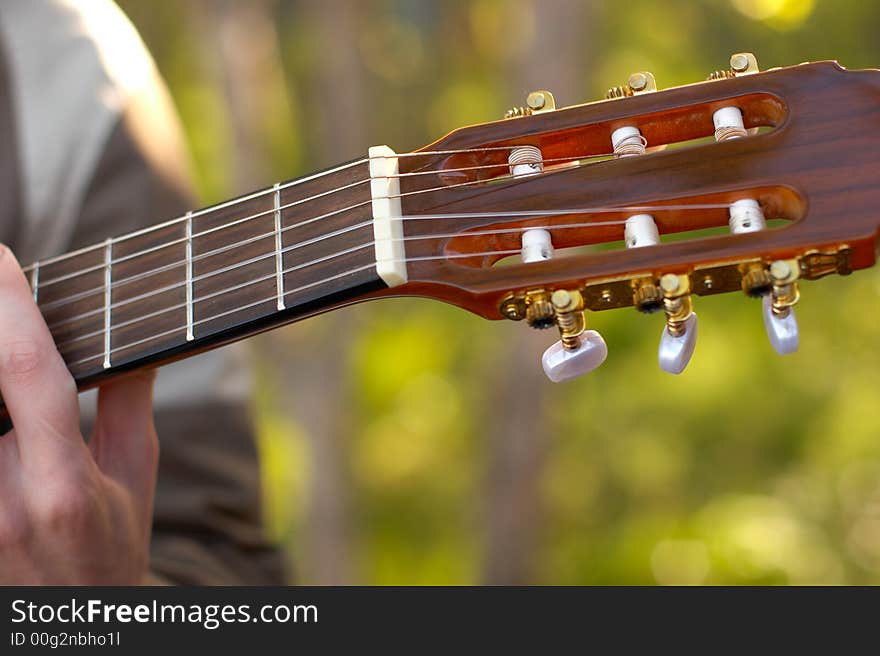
column 212, row 276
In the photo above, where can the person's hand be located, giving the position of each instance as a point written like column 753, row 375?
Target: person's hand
column 70, row 512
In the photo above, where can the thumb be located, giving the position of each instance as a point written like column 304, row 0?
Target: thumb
column 124, row 443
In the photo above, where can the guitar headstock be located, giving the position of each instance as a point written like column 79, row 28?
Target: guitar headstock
column 749, row 182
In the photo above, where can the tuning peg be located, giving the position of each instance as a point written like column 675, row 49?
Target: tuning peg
column 782, row 331
column 679, row 336
column 777, row 307
column 579, row 351
column 562, row 364
column 675, row 351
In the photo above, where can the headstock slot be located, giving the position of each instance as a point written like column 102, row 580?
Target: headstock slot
column 488, row 161
column 674, row 217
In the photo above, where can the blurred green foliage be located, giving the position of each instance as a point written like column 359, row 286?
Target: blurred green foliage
column 749, row 468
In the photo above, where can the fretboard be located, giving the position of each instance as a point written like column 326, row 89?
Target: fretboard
column 212, row 276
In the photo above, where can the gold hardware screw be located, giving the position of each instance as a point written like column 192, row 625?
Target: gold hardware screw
column 536, row 100
column 669, row 283
column 637, row 81
column 739, row 63
column 513, row 308
column 780, row 270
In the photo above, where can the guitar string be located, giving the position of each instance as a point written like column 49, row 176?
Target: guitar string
column 354, row 249
column 257, row 194
column 118, row 260
column 272, row 253
column 101, row 289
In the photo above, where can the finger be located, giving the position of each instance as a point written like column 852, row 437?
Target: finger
column 37, row 388
column 124, row 442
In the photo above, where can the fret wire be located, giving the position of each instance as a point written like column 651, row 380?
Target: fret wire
column 207, row 297
column 232, row 224
column 279, row 257
column 165, row 267
column 108, row 290
column 189, row 279
column 228, row 312
column 210, row 274
column 35, row 281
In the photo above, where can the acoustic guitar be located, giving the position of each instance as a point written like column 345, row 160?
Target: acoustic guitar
column 749, row 182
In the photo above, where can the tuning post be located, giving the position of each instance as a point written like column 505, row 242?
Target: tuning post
column 728, row 124
column 628, row 141
column 537, row 244
column 525, row 160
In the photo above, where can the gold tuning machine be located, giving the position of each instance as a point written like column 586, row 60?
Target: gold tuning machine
column 779, row 319
column 741, row 63
column 640, row 82
column 785, row 293
column 679, row 336
column 537, row 102
column 568, row 307
column 677, row 302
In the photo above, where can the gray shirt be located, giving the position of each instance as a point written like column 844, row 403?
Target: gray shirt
column 90, row 147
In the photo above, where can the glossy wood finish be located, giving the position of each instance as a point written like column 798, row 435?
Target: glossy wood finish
column 818, row 167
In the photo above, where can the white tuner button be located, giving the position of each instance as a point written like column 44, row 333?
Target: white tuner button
column 561, row 364
column 781, row 331
column 675, row 352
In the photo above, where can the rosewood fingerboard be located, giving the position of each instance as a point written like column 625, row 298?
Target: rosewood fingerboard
column 216, row 275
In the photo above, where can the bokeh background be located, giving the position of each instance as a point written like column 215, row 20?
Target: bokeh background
column 408, row 442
